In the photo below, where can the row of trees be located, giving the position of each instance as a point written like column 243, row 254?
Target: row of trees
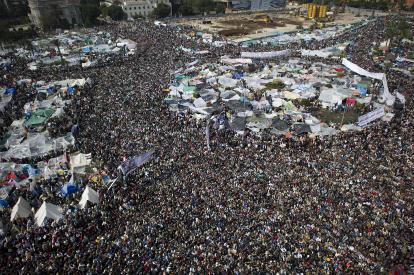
column 397, row 31
column 91, row 10
column 382, row 5
column 192, row 7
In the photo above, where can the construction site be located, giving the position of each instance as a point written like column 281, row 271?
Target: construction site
column 251, row 25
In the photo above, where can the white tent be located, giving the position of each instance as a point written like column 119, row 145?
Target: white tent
column 21, row 209
column 89, row 195
column 47, row 210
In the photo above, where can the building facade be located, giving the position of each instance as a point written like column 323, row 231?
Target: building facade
column 44, row 12
column 134, row 8
column 258, row 4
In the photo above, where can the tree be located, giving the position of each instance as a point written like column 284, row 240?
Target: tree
column 186, row 9
column 90, row 13
column 162, row 10
column 204, row 5
column 398, row 30
column 138, row 16
column 220, row 8
column 116, row 13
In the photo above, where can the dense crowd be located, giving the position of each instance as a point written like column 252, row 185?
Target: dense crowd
column 251, row 204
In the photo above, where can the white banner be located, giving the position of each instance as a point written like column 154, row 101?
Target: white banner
column 380, row 76
column 371, row 116
column 323, row 54
column 233, row 61
column 264, row 55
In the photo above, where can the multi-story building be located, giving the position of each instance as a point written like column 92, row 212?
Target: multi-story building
column 141, row 7
column 42, row 11
column 258, row 4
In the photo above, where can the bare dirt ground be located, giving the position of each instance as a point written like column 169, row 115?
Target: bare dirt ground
column 239, row 27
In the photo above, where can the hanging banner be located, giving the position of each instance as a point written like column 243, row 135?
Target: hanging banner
column 234, row 61
column 371, row 116
column 264, row 55
column 380, row 76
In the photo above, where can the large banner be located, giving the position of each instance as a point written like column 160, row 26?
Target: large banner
column 371, row 116
column 131, row 164
column 234, row 61
column 264, row 55
column 380, row 76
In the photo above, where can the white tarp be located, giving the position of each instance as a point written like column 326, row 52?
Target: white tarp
column 21, row 209
column 402, row 59
column 200, row 103
column 400, row 97
column 380, row 76
column 89, row 195
column 371, row 116
column 80, row 160
column 86, row 64
column 319, row 53
column 330, row 97
column 47, row 210
column 264, row 55
column 234, row 61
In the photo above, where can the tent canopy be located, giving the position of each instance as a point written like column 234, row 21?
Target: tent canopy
column 21, row 209
column 279, row 124
column 301, row 128
column 40, row 117
column 47, row 210
column 89, row 195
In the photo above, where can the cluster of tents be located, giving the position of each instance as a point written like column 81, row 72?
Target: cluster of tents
column 260, row 95
column 23, row 210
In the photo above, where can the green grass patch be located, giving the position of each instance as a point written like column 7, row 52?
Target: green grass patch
column 275, row 84
column 328, row 116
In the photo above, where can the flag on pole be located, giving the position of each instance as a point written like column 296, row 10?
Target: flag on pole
column 208, row 134
column 131, row 164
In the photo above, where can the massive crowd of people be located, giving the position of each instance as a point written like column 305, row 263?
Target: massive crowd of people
column 250, row 204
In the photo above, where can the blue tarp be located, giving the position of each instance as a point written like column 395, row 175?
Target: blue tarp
column 244, row 99
column 69, row 188
column 71, row 90
column 51, row 90
column 4, row 203
column 10, row 91
column 33, row 172
column 86, row 49
column 106, row 179
column 237, row 75
column 363, row 91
